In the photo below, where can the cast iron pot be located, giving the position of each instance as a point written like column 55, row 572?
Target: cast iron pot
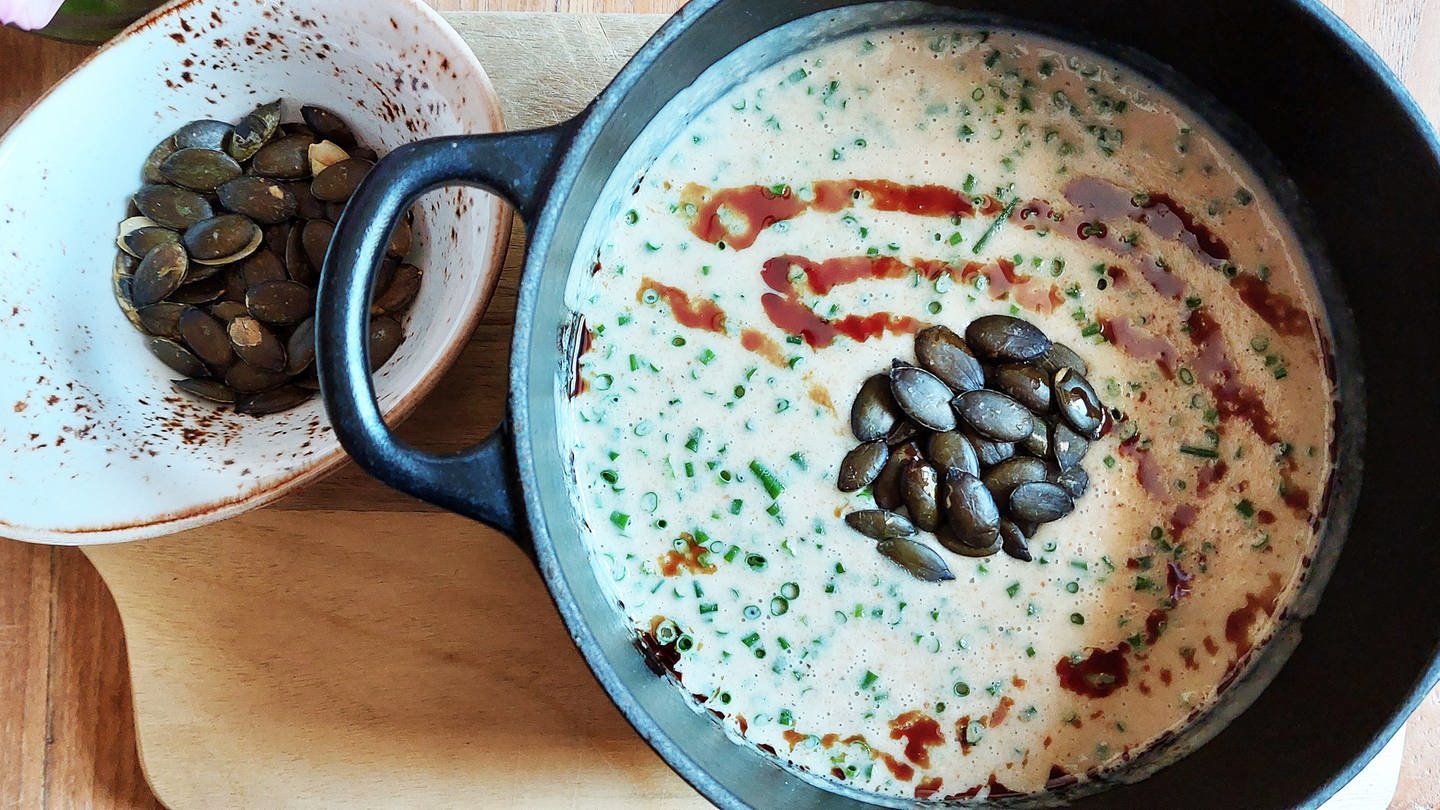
column 1340, row 144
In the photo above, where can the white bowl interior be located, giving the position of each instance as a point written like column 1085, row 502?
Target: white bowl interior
column 95, row 445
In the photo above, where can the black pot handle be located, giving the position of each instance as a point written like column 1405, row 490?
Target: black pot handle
column 479, row 482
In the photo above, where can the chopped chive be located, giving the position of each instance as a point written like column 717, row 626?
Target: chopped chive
column 620, row 519
column 1013, row 589
column 1090, row 330
column 706, row 357
column 750, row 640
column 1186, row 376
column 786, row 718
column 689, row 470
column 1076, row 618
column 1200, row 452
column 1245, row 508
column 1072, row 587
column 995, row 226
column 768, row 479
column 693, row 443
column 790, row 590
column 732, row 553
column 869, row 679
column 755, row 561
column 1109, row 462
column 708, row 607
column 961, row 688
column 773, row 510
column 799, row 459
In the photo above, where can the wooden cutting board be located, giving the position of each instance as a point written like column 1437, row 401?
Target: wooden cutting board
column 350, row 646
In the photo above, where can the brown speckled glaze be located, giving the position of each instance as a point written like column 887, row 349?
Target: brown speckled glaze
column 95, row 445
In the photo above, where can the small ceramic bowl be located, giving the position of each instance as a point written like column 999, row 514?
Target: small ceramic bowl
column 95, row 445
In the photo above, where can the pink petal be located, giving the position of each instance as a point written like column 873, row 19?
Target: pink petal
column 28, row 14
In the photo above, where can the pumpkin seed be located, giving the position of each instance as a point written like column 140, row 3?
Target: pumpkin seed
column 1040, row 502
column 944, row 354
column 989, row 452
column 162, row 319
column 199, row 169
column 260, row 267
column 1005, row 477
column 923, row 397
column 192, row 275
column 1038, row 442
column 952, row 542
column 285, row 158
column 918, row 559
column 400, row 293
column 316, row 239
column 256, row 345
column 306, row 206
column 248, row 379
column 223, row 239
column 327, row 125
column 266, row 201
column 254, row 131
column 300, row 348
column 172, row 207
column 1074, row 481
column 385, row 339
column 201, row 292
column 1025, row 383
column 150, row 169
column 873, row 413
column 861, row 465
column 205, row 336
column 177, row 357
column 204, row 134
column 1066, row 446
column 994, row 415
column 879, row 524
column 296, row 264
column 1013, row 541
column 920, row 489
column 274, row 400
column 971, row 509
column 1078, row 403
column 120, row 284
column 206, row 389
column 1004, row 338
column 401, row 238
column 138, row 235
column 160, row 273
column 951, row 450
column 886, row 488
column 325, row 154
column 227, row 311
column 336, row 183
column 280, row 302
column 1062, row 356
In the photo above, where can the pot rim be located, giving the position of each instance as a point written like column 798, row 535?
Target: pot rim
column 591, row 122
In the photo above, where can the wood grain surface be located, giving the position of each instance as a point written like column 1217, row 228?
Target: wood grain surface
column 67, row 736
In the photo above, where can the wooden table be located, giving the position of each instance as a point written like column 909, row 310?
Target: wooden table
column 66, row 729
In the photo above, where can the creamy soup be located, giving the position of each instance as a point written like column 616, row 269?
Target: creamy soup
column 785, row 246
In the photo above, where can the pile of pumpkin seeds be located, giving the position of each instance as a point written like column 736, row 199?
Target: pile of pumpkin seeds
column 221, row 251
column 979, row 443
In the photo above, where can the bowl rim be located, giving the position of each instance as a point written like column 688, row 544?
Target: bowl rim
column 316, row 468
